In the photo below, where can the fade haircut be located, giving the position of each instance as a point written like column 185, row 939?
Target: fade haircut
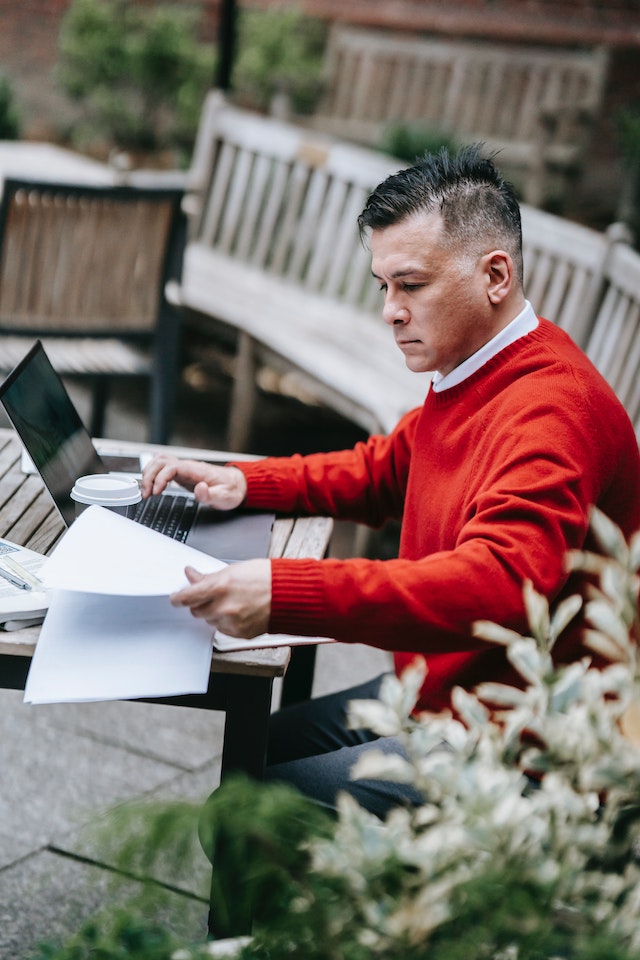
column 479, row 208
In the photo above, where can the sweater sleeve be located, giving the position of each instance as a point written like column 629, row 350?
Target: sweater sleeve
column 366, row 484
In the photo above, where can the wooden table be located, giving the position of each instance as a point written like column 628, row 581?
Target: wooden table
column 29, row 160
column 241, row 683
column 47, row 161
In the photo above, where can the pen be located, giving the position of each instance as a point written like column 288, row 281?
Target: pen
column 16, row 568
column 16, row 581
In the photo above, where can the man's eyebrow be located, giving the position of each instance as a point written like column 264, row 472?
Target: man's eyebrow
column 400, row 273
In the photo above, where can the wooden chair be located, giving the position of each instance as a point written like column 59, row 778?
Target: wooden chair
column 614, row 345
column 84, row 268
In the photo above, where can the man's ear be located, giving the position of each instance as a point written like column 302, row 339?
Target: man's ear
column 499, row 267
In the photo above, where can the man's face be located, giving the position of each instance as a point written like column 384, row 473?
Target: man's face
column 436, row 301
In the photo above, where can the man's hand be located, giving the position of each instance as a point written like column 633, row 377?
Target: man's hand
column 223, row 488
column 237, row 599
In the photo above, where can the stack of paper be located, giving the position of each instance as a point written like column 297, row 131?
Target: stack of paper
column 111, row 632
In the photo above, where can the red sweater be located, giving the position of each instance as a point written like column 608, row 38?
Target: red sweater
column 493, row 480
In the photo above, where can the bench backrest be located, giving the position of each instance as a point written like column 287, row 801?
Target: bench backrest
column 614, row 346
column 564, row 266
column 473, row 89
column 286, row 201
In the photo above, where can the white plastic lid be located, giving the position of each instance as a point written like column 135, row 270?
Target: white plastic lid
column 107, row 490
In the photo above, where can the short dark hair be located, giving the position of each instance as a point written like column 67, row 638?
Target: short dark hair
column 478, row 206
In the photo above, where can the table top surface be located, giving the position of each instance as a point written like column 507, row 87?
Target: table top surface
column 28, row 517
column 24, row 159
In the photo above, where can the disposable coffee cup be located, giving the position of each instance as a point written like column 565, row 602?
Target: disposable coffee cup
column 120, row 494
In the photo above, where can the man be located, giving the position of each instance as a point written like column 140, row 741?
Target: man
column 493, row 477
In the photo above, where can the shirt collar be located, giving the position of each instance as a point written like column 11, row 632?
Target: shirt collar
column 524, row 323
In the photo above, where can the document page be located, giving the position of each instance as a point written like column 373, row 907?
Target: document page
column 111, row 632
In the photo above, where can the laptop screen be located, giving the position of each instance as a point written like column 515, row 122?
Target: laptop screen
column 45, row 419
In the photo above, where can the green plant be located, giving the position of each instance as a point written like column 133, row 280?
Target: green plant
column 628, row 128
column 408, row 141
column 9, row 116
column 527, row 844
column 279, row 51
column 139, row 72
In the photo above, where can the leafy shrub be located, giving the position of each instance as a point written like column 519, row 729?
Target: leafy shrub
column 527, row 844
column 9, row 116
column 139, row 72
column 279, row 51
column 408, row 141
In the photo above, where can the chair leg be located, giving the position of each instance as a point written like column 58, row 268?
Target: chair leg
column 164, row 380
column 100, row 397
column 243, row 396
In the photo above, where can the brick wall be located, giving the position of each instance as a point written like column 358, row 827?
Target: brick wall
column 614, row 22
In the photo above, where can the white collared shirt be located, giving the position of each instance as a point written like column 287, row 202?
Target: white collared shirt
column 524, row 323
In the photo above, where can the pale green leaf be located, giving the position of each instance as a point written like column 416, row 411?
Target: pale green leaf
column 373, row 715
column 537, row 609
column 564, row 614
column 605, row 619
column 528, row 661
column 375, row 765
column 500, row 694
column 609, row 536
column 604, row 646
column 634, row 552
column 487, row 630
column 468, row 707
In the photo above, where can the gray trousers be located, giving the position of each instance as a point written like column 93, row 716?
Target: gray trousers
column 311, row 748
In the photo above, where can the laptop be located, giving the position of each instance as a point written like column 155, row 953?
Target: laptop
column 45, row 418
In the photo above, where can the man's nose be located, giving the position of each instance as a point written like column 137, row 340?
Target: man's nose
column 394, row 310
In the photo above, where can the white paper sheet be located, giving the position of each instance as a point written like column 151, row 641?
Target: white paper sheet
column 105, row 553
column 95, row 647
column 111, row 632
column 223, row 643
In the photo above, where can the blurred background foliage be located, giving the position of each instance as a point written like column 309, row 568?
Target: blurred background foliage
column 9, row 114
column 140, row 74
column 280, row 51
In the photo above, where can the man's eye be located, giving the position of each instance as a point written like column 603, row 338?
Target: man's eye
column 411, row 286
column 382, row 287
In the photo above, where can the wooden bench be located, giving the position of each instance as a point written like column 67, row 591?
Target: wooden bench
column 536, row 105
column 275, row 256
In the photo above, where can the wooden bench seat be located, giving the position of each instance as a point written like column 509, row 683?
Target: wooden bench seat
column 536, row 106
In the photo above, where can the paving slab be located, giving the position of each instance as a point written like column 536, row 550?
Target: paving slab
column 53, row 780
column 182, row 736
column 47, row 898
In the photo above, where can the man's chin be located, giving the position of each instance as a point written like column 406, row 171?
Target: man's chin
column 417, row 365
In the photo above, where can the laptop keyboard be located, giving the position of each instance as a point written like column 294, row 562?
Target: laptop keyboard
column 168, row 514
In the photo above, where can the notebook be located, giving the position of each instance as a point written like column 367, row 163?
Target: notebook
column 45, row 418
